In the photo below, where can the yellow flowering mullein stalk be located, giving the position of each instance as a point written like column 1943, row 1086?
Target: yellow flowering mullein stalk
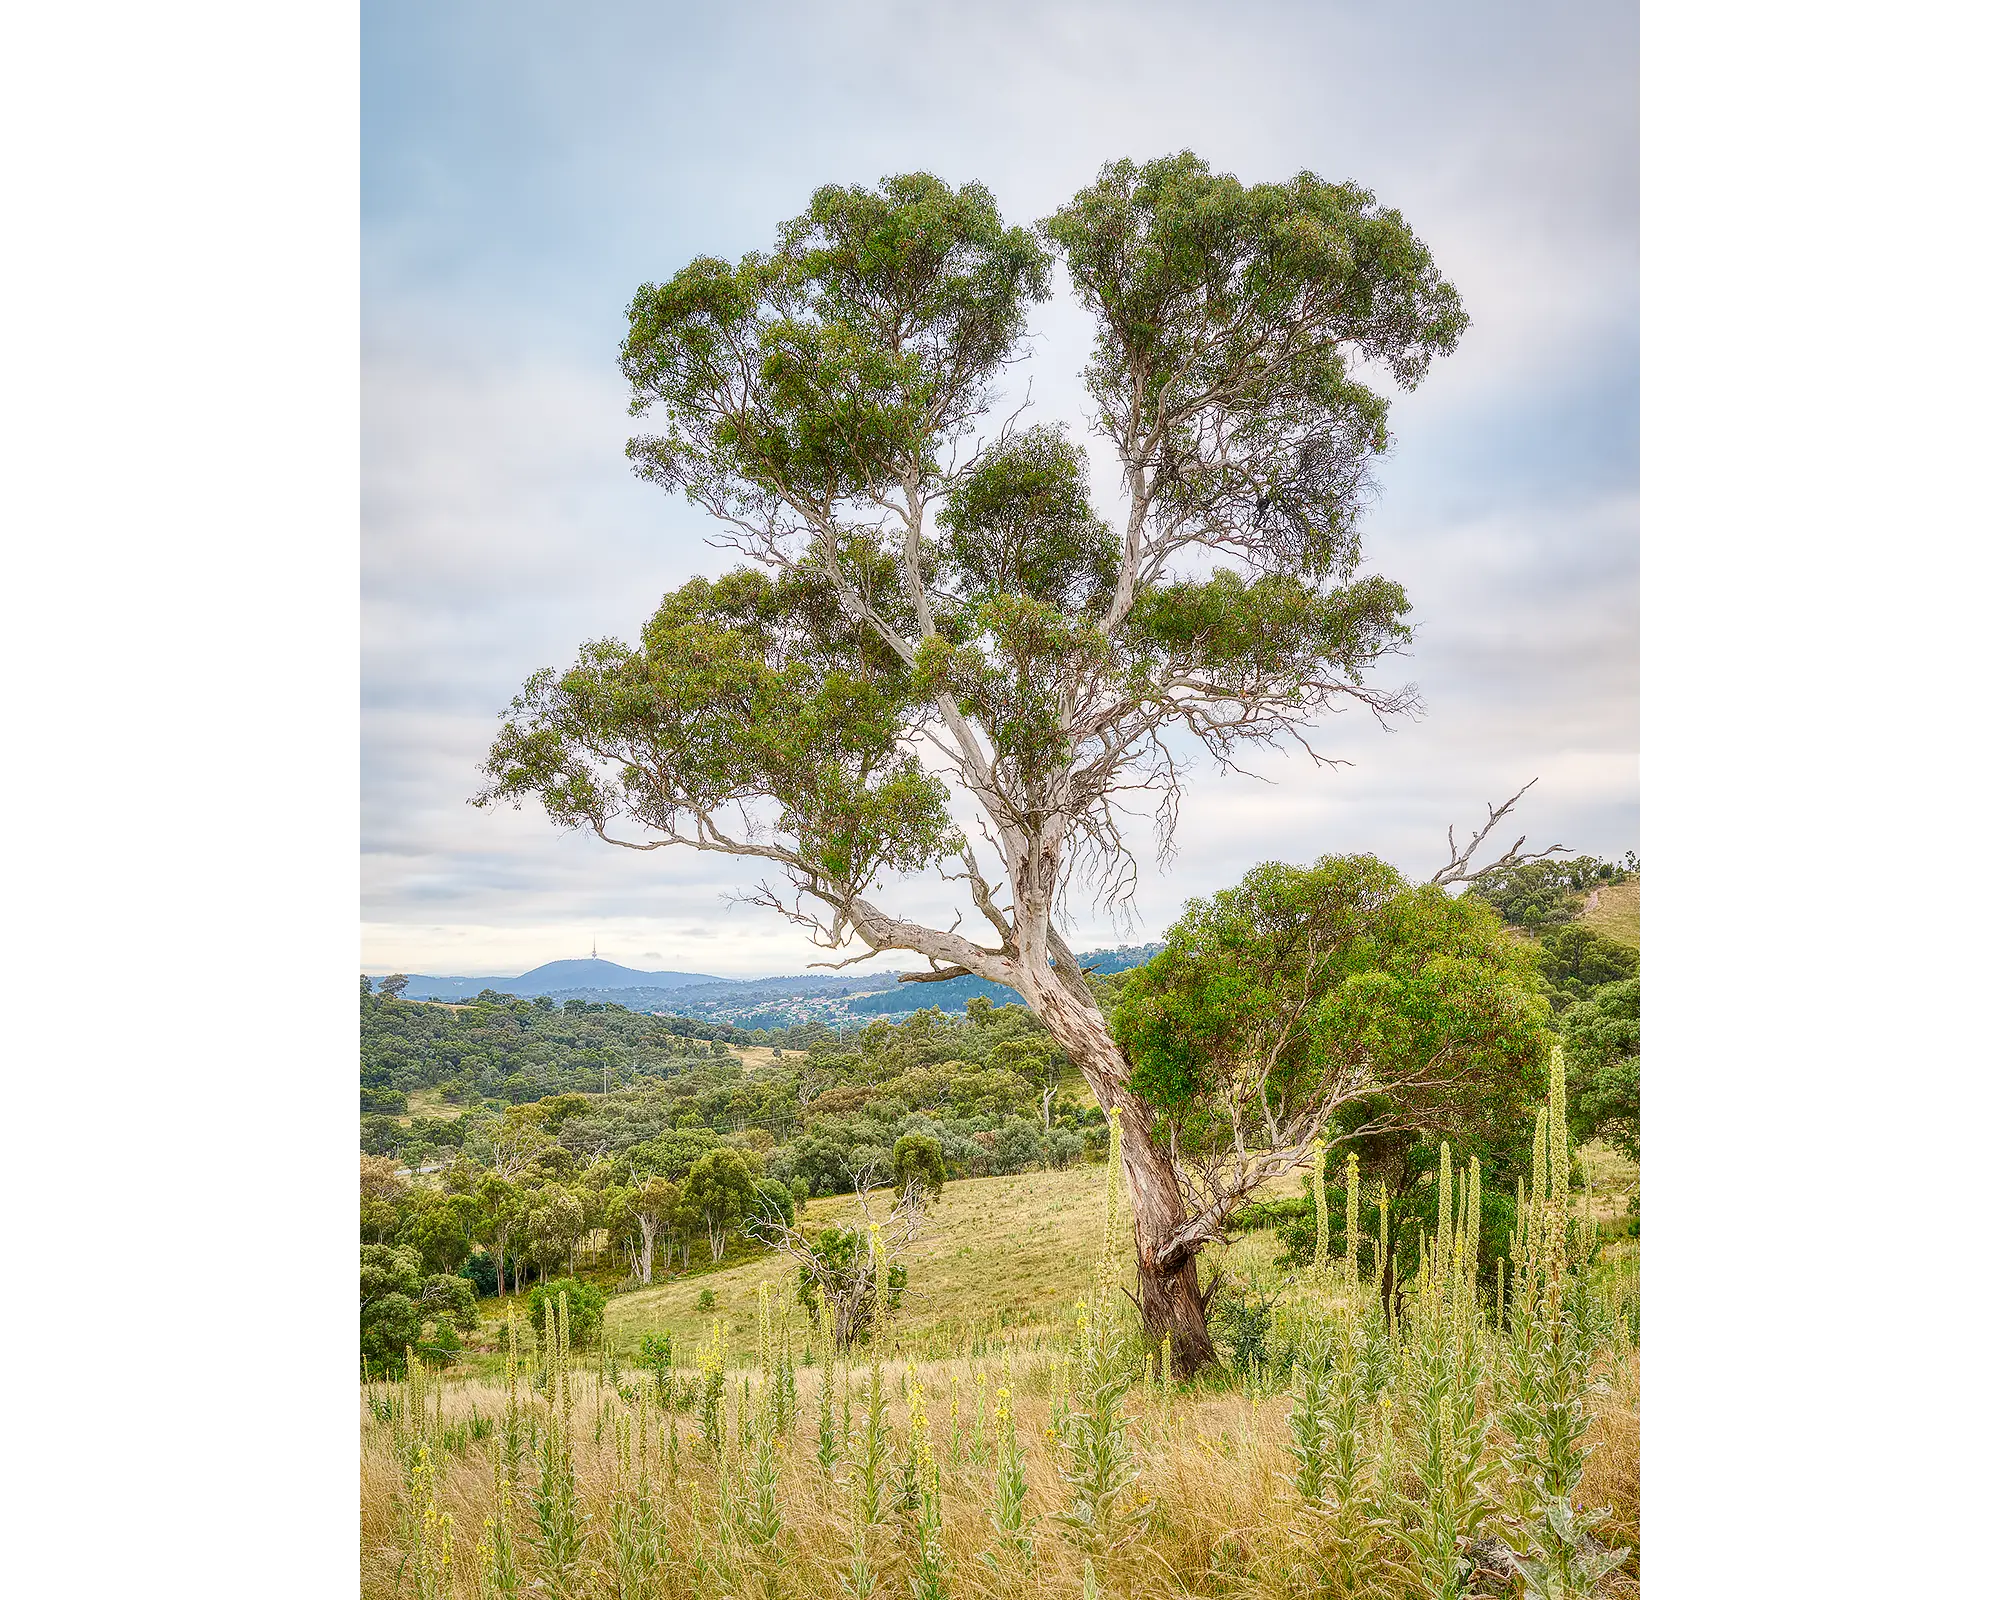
column 431, row 1561
column 1010, row 1486
column 788, row 1380
column 1352, row 1265
column 558, row 1512
column 957, row 1435
column 927, row 1575
column 1443, row 1368
column 1308, row 1420
column 1342, row 1485
column 766, row 1353
column 1551, row 1341
column 510, row 1435
column 1093, row 1454
column 1319, row 1205
column 710, row 1361
column 871, row 1462
column 638, row 1543
column 1107, row 1261
column 830, row 1441
column 763, row 1515
column 876, row 1270
column 499, row 1566
column 1385, row 1258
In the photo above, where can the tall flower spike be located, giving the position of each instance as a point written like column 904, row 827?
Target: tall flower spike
column 1539, row 1164
column 1441, row 1251
column 1385, row 1263
column 1107, row 1262
column 1558, row 1126
column 1319, row 1204
column 1353, row 1220
column 1472, row 1216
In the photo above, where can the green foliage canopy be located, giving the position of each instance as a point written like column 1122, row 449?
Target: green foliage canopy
column 1601, row 1051
column 1575, row 962
column 1309, row 992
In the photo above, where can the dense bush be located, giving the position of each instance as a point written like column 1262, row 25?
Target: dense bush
column 402, row 1309
column 1575, row 962
column 586, row 1307
column 1601, row 1042
column 1271, row 1213
column 917, row 1159
column 483, row 1273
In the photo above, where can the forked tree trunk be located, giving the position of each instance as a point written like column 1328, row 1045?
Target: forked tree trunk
column 1171, row 1303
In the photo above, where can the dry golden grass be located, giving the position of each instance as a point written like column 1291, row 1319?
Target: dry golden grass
column 754, row 1056
column 1224, row 1520
column 1613, row 1178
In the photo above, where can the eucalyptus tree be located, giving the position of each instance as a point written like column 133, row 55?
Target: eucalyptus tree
column 931, row 608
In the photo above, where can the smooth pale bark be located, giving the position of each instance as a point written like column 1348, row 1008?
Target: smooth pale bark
column 648, row 1226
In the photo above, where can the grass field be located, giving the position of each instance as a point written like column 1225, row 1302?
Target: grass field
column 430, row 1103
column 1011, row 1252
column 1616, row 914
column 771, row 1507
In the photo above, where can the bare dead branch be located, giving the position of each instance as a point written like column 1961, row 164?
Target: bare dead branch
column 1460, row 868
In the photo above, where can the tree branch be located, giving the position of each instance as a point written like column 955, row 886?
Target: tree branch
column 1460, row 869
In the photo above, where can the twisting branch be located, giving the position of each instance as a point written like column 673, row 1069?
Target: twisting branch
column 1460, row 868
column 846, row 1278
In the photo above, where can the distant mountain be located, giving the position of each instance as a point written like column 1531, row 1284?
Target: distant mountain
column 552, row 976
column 594, row 974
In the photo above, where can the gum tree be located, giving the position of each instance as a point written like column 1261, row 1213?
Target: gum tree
column 930, row 605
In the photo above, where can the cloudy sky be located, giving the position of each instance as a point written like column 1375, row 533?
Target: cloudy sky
column 526, row 167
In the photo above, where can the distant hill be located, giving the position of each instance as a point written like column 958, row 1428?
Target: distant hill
column 1616, row 914
column 555, row 976
column 594, row 974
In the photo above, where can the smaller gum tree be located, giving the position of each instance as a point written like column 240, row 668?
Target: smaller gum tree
column 1335, row 1002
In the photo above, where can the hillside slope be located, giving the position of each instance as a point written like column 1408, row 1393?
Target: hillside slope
column 1023, row 1248
column 1616, row 914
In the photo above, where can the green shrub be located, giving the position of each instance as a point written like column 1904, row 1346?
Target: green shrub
column 482, row 1272
column 1243, row 1317
column 586, row 1307
column 390, row 1325
column 919, row 1159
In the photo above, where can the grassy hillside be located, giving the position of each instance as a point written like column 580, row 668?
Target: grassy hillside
column 1006, row 1251
column 770, row 1512
column 1616, row 914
